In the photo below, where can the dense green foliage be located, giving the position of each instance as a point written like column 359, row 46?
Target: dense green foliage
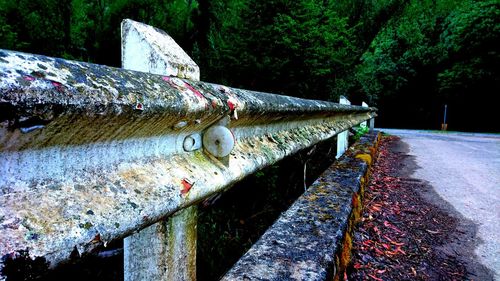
column 407, row 57
column 435, row 54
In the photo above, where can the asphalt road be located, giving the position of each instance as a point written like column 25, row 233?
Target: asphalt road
column 464, row 169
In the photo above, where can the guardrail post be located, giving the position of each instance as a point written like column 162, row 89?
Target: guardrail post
column 343, row 137
column 364, row 124
column 372, row 120
column 372, row 124
column 167, row 249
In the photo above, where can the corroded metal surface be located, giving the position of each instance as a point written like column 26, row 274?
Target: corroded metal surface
column 90, row 153
column 311, row 240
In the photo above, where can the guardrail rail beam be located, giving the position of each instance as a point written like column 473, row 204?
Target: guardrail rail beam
column 90, row 153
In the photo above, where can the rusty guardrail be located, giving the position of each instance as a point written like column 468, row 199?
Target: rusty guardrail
column 91, row 153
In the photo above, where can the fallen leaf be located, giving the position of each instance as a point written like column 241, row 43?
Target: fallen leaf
column 379, row 252
column 374, row 277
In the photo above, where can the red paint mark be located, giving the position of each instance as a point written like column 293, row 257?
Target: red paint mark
column 139, row 106
column 96, row 239
column 172, row 83
column 214, row 103
column 196, row 92
column 231, row 105
column 55, row 84
column 59, row 87
column 186, row 186
column 29, row 78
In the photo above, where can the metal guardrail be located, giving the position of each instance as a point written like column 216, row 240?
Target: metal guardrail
column 90, row 153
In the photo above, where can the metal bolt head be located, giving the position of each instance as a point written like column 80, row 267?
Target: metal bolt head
column 188, row 143
column 192, row 142
column 218, row 141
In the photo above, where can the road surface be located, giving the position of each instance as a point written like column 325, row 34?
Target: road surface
column 464, row 169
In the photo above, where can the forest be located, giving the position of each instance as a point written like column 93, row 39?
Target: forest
column 409, row 58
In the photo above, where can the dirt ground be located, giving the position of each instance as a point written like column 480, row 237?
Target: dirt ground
column 407, row 231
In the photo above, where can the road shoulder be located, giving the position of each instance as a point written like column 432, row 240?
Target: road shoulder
column 408, row 232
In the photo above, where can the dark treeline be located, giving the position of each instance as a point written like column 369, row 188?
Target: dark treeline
column 407, row 57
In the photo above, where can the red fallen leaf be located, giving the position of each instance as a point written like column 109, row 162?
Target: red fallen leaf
column 357, row 266
column 379, row 252
column 389, row 225
column 367, row 243
column 374, row 277
column 390, row 253
column 392, row 241
column 398, row 249
column 386, row 246
column 186, row 186
column 381, row 271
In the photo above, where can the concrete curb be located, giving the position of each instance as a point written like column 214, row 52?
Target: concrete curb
column 312, row 239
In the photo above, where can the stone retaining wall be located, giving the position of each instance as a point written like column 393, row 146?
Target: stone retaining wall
column 312, row 239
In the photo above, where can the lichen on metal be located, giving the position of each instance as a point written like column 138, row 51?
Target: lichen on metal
column 92, row 151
